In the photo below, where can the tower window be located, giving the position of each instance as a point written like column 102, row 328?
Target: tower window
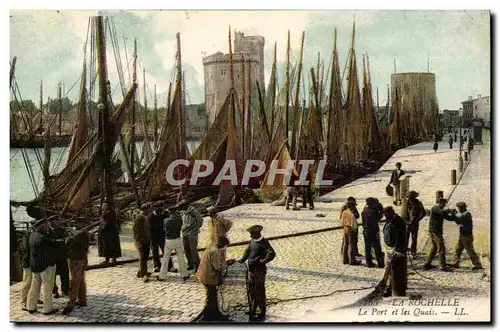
column 223, row 72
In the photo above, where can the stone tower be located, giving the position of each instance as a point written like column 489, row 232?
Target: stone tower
column 249, row 54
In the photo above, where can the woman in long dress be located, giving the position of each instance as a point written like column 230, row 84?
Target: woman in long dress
column 108, row 239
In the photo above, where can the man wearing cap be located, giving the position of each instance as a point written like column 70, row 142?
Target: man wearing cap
column 259, row 252
column 438, row 214
column 394, row 239
column 142, row 239
column 62, row 268
column 414, row 214
column 78, row 247
column 156, row 219
column 192, row 222
column 43, row 267
column 349, row 222
column 292, row 192
column 210, row 274
column 173, row 242
column 307, row 192
column 220, row 226
column 371, row 216
column 396, row 175
column 465, row 239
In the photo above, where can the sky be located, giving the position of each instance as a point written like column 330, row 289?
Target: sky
column 49, row 45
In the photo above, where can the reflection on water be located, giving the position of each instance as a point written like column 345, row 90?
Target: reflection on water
column 21, row 188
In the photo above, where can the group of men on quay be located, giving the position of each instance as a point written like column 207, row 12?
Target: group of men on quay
column 48, row 249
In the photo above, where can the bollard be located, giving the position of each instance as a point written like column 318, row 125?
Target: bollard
column 460, row 164
column 466, row 155
column 453, row 177
column 439, row 195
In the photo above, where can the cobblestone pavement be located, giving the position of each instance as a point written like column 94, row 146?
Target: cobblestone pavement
column 308, row 265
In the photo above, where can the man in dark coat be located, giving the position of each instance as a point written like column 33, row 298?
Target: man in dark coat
column 108, row 238
column 395, row 240
column 259, row 252
column 156, row 219
column 465, row 239
column 307, row 192
column 173, row 242
column 415, row 213
column 62, row 268
column 292, row 194
column 78, row 247
column 43, row 266
column 450, row 140
column 371, row 216
column 395, row 176
column 438, row 214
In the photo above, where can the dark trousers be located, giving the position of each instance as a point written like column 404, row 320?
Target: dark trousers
column 466, row 242
column 355, row 242
column 451, row 145
column 191, row 250
column 307, row 196
column 157, row 244
column 143, row 249
column 257, row 292
column 372, row 241
column 412, row 229
column 211, row 311
column 63, row 270
column 348, row 251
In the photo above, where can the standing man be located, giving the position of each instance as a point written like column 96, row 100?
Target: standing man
column 394, row 238
column 192, row 222
column 450, row 141
column 24, row 250
column 78, row 247
column 210, row 272
column 371, row 216
column 108, row 238
column 396, row 175
column 438, row 214
column 465, row 239
column 350, row 224
column 43, row 267
column 62, row 268
column 414, row 214
column 307, row 192
column 259, row 252
column 173, row 242
column 156, row 219
column 142, row 237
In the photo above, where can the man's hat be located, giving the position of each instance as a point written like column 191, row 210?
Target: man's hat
column 413, row 194
column 255, row 229
column 461, row 204
column 388, row 209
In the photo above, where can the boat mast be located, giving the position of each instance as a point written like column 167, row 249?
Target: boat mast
column 12, row 70
column 41, row 106
column 104, row 110
column 132, row 120
column 146, row 136
column 155, row 133
column 248, row 129
column 243, row 104
column 59, row 95
column 296, row 99
column 287, row 85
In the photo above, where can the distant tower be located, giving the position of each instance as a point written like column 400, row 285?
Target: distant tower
column 249, row 49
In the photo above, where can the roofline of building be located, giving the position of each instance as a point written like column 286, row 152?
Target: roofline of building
column 414, row 73
column 470, row 101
